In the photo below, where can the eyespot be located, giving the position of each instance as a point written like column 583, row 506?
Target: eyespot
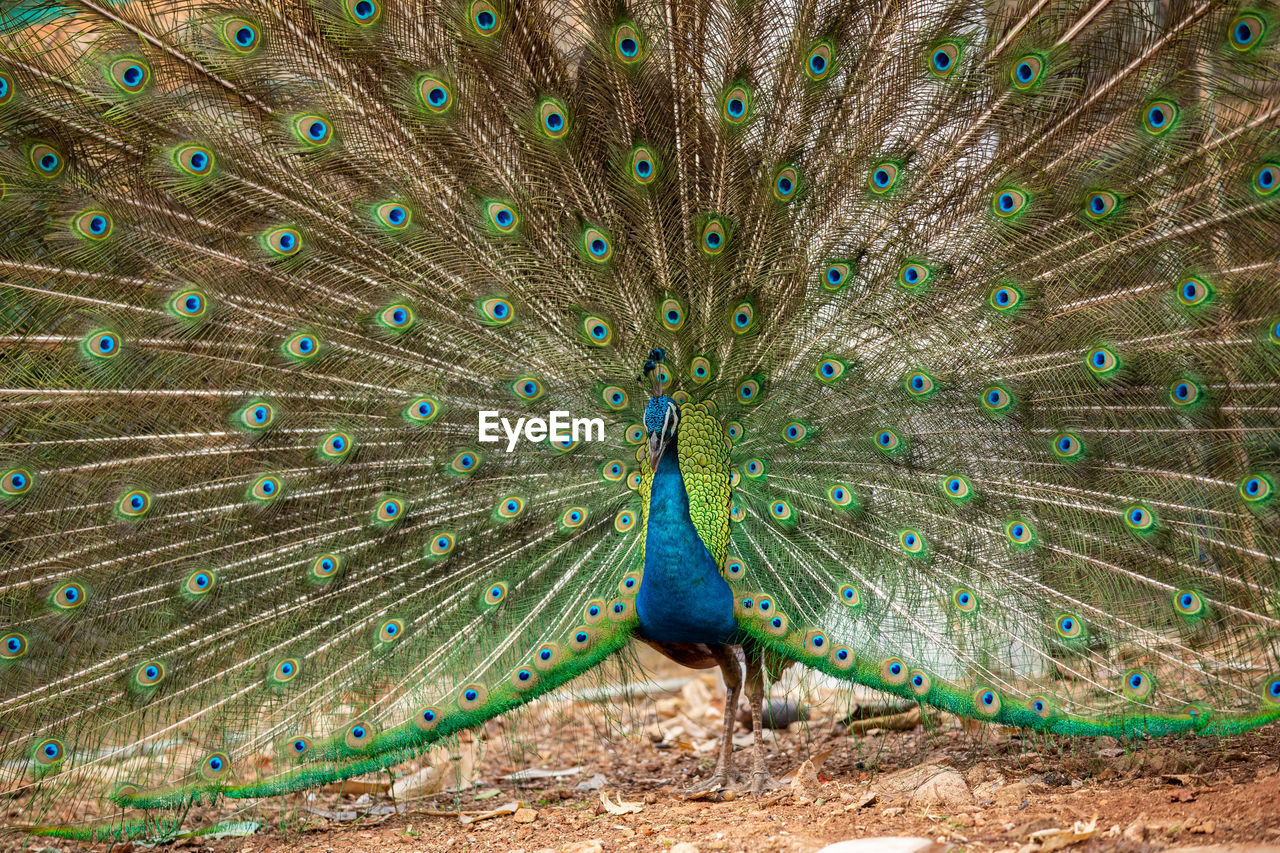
column 743, row 318
column 1005, row 297
column 785, row 183
column 883, row 177
column 188, row 304
column 919, row 681
column 393, row 215
column 390, row 631
column 644, row 165
column 987, row 702
column 1138, row 684
column 781, row 510
column 265, row 488
column 503, row 219
column 748, row 392
column 1020, row 533
column 755, row 468
column 734, row 430
column 359, row 735
column 1247, row 31
column 614, row 397
column 819, row 61
column 965, row 600
column 736, row 105
column 1009, row 202
column 199, row 583
column 527, row 388
column 129, row 73
column 1139, row 517
column 397, row 317
column 312, row 130
column 1271, row 691
column 1193, row 291
column 69, row 596
column 13, row 646
column 325, row 567
column 283, row 242
column 422, row 410
column 775, row 624
column 996, row 399
column 134, row 504
column 893, row 671
column 613, row 470
column 574, row 516
column 888, row 442
column 599, row 331
column 918, row 383
column 1188, row 602
column 1040, row 707
column 943, row 59
column 957, row 487
column 630, row 584
column 302, row 346
column 92, row 225
column 1184, row 392
column 628, row 44
column 553, row 118
column 830, row 369
column 1102, row 362
column 335, row 445
column 849, row 596
column 285, row 671
column 836, row 276
column 596, row 245
column 841, row 656
column 1158, row 117
column 240, row 35
column 434, row 94
column 840, row 495
column 441, row 544
column 103, row 345
column 256, row 415
column 1266, row 179
column 1068, row 626
column 1101, row 204
column 914, row 275
column 624, row 521
column 427, row 719
column 1027, row 72
column 16, row 482
column 362, row 12
column 911, row 541
column 297, row 747
column 194, row 160
column 714, row 237
column 485, row 17
column 794, row 432
column 49, row 752
column 510, row 507
column 1256, row 489
column 495, row 593
column 1067, row 446
column 635, row 434
column 46, row 160
column 497, row 311
column 735, row 569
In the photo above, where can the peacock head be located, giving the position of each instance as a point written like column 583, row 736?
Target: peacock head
column 661, row 419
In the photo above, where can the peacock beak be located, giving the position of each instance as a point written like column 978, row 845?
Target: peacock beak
column 656, row 446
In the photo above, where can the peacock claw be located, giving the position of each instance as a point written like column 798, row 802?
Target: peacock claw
column 761, row 782
column 716, row 784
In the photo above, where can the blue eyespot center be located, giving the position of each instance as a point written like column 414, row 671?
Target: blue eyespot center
column 364, row 9
column 1025, row 72
column 736, row 107
column 300, row 746
column 597, row 246
column 49, row 162
column 317, row 130
column 817, row 64
column 628, row 46
column 895, row 668
column 132, row 75
column 485, row 20
column 545, row 654
column 1243, row 33
column 504, row 219
column 1135, row 681
column 834, row 275
column 555, row 121
column 244, row 36
column 911, row 274
column 941, row 60
column 988, row 698
column 358, row 732
column 1156, row 117
column 581, row 636
column 644, row 168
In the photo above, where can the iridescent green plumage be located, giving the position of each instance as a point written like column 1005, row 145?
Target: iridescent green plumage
column 983, row 297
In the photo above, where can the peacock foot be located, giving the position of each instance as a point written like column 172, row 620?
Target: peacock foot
column 719, row 781
column 762, row 781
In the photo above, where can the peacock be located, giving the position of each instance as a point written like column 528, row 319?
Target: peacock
column 933, row 345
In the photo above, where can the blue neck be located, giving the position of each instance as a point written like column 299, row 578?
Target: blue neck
column 683, row 598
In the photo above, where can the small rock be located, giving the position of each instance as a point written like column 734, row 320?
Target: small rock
column 892, row 812
column 946, row 789
column 805, row 787
column 525, row 815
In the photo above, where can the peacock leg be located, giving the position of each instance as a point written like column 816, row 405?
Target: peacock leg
column 761, row 781
column 724, row 774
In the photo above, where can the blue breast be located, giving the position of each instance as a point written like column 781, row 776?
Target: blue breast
column 682, row 598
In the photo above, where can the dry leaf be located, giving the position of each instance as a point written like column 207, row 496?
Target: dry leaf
column 619, row 808
column 1056, row 839
column 475, row 817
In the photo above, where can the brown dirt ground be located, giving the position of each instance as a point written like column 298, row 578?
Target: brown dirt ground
column 1136, row 796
